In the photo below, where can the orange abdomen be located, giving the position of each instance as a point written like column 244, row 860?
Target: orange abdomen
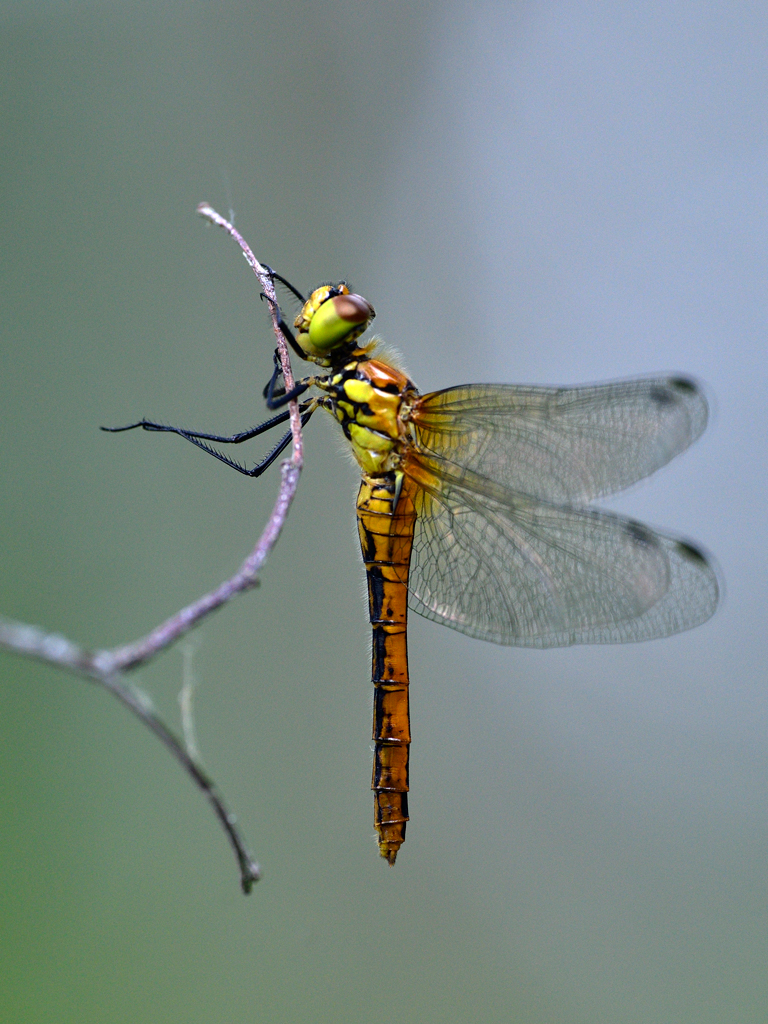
column 386, row 517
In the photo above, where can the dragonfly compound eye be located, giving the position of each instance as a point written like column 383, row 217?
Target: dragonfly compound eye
column 337, row 321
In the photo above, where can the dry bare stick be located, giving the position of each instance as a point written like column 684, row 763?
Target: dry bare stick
column 108, row 667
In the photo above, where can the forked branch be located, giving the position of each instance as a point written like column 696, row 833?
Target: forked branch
column 109, row 667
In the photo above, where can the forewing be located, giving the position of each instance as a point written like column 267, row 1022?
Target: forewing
column 507, row 568
column 567, row 445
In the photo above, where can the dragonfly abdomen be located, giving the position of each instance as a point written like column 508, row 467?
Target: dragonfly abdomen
column 386, row 517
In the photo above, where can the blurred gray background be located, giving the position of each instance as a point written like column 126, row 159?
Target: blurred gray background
column 553, row 193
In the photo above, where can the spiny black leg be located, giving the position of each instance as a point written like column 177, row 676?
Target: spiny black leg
column 195, row 438
column 265, row 463
column 284, row 328
column 245, row 435
column 270, row 388
column 279, row 447
column 275, row 395
column 278, row 277
column 275, row 401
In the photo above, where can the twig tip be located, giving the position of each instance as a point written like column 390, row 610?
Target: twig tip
column 251, row 873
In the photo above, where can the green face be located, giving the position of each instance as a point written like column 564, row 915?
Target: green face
column 331, row 319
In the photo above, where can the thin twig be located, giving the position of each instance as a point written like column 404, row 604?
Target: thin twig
column 268, row 286
column 108, row 667
column 54, row 649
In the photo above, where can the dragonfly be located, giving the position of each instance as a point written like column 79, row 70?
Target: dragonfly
column 475, row 509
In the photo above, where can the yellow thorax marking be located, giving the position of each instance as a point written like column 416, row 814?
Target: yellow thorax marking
column 370, row 439
column 376, row 409
column 359, row 390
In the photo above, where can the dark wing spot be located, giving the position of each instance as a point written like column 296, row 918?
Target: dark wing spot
column 692, row 553
column 672, row 390
column 684, row 385
column 639, row 533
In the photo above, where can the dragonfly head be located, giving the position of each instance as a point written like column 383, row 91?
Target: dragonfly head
column 330, row 322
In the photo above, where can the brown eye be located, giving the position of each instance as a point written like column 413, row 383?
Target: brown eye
column 353, row 308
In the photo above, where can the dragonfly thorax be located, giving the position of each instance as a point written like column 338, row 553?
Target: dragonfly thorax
column 370, row 400
column 330, row 322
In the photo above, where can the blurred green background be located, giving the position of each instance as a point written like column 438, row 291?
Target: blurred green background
column 526, row 192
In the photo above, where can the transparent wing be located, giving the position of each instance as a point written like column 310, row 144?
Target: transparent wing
column 565, row 445
column 504, row 567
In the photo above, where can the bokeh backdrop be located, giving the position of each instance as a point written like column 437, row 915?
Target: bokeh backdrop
column 552, row 193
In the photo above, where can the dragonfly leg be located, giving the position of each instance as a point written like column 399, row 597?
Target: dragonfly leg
column 278, row 277
column 244, row 435
column 275, row 395
column 284, row 328
column 270, row 388
column 273, row 400
column 272, row 391
column 197, row 438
